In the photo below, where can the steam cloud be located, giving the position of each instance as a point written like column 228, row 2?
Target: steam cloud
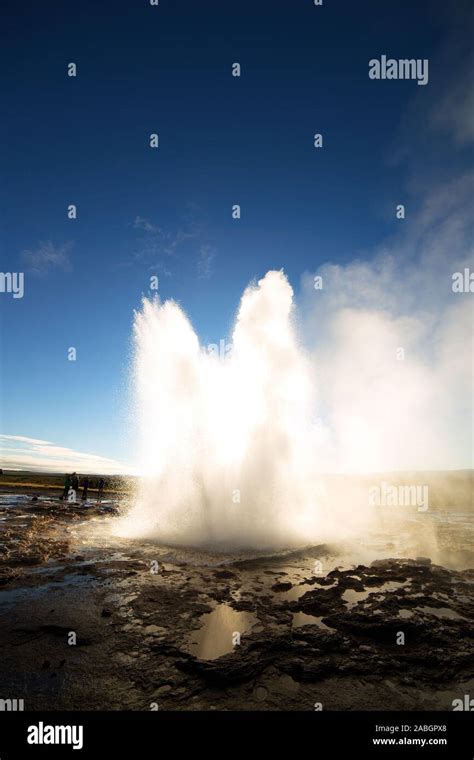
column 227, row 445
column 380, row 409
column 232, row 449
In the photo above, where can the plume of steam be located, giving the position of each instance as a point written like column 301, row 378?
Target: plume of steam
column 227, row 446
column 392, row 344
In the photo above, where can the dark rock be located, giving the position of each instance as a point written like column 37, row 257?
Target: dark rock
column 224, row 574
column 282, row 586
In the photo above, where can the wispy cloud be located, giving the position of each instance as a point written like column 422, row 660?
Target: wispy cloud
column 158, row 246
column 165, row 249
column 47, row 257
column 144, row 224
column 25, row 439
column 18, row 452
column 205, row 262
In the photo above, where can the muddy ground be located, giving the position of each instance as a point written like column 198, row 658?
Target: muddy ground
column 139, row 627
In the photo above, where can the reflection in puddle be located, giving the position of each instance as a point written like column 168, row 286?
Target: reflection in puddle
column 294, row 592
column 439, row 612
column 442, row 612
column 354, row 597
column 301, row 618
column 216, row 635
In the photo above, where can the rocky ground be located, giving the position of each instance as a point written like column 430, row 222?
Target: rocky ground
column 142, row 627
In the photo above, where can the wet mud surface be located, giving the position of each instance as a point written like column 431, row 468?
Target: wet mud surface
column 136, row 626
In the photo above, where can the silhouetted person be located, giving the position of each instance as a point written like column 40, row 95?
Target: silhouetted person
column 85, row 486
column 67, row 485
column 100, row 492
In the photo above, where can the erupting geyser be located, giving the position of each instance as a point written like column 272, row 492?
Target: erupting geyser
column 227, row 455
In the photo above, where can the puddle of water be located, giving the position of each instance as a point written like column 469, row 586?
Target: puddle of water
column 354, row 597
column 215, row 637
column 439, row 612
column 442, row 612
column 301, row 618
column 22, row 594
column 13, row 499
column 295, row 592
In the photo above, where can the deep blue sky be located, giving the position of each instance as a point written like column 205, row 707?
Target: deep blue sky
column 223, row 140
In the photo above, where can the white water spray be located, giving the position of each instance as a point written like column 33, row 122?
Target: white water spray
column 227, row 448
